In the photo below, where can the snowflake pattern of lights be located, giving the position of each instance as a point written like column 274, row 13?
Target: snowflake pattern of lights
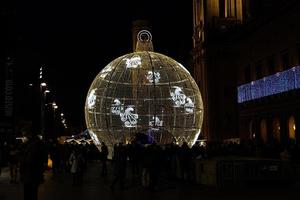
column 150, row 77
column 180, row 100
column 129, row 118
column 116, row 107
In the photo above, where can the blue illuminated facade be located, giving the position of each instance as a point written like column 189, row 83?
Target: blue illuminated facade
column 280, row 82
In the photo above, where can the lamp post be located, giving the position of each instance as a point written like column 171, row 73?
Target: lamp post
column 43, row 93
column 54, row 106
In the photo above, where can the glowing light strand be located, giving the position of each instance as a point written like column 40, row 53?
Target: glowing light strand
column 270, row 85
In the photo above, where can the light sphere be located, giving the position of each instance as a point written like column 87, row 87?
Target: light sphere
column 144, row 93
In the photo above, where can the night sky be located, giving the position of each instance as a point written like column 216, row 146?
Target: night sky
column 75, row 40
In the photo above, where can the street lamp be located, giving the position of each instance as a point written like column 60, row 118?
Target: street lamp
column 63, row 120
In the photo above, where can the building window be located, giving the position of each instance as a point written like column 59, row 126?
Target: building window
column 271, row 66
column 285, row 61
column 292, row 128
column 248, row 74
column 258, row 70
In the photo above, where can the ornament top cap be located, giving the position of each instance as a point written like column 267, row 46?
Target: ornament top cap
column 144, row 41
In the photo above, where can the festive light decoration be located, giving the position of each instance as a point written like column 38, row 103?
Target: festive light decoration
column 144, row 92
column 155, row 122
column 91, row 99
column 105, row 71
column 94, row 138
column 129, row 118
column 153, row 77
column 133, row 62
column 278, row 83
column 116, row 107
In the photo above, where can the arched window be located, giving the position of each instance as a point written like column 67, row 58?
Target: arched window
column 263, row 130
column 292, row 128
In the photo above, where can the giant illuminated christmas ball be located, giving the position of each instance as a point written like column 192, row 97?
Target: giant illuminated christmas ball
column 144, row 96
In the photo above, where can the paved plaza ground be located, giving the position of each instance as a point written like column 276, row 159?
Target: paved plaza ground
column 59, row 187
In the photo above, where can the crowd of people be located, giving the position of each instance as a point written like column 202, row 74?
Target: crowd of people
column 141, row 163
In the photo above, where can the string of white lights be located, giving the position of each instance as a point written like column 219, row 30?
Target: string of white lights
column 278, row 83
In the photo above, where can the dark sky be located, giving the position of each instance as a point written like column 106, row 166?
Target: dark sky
column 74, row 40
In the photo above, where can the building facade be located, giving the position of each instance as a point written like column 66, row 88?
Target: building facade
column 238, row 46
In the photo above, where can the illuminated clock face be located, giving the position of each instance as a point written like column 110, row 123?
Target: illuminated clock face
column 144, row 93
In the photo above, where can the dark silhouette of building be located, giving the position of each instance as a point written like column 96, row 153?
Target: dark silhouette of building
column 7, row 67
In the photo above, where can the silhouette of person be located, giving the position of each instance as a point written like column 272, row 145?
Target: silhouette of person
column 32, row 166
column 104, row 154
column 13, row 162
column 120, row 159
